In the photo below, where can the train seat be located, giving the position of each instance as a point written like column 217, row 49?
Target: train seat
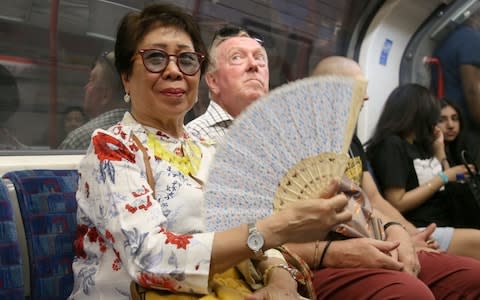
column 48, row 207
column 11, row 279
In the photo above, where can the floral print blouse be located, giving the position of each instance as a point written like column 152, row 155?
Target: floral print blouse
column 125, row 232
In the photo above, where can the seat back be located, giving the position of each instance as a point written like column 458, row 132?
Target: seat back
column 48, row 207
column 11, row 279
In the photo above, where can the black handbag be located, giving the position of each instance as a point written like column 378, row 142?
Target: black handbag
column 473, row 180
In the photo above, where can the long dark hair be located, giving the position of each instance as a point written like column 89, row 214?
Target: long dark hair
column 455, row 147
column 410, row 108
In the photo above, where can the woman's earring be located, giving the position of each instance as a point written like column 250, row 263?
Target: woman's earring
column 126, row 98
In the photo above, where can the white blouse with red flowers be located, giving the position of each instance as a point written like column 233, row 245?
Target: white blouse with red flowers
column 125, row 232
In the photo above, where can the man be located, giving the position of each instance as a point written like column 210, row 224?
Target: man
column 103, row 102
column 237, row 76
column 461, row 67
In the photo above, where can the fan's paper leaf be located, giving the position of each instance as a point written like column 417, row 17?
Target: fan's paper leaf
column 294, row 122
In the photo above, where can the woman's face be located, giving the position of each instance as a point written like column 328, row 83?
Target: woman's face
column 170, row 94
column 73, row 120
column 449, row 123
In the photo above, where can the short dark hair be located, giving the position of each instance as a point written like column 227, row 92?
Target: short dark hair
column 9, row 95
column 410, row 108
column 135, row 25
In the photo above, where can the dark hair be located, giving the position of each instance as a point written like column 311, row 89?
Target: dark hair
column 410, row 108
column 9, row 95
column 110, row 77
column 74, row 108
column 135, row 25
column 455, row 147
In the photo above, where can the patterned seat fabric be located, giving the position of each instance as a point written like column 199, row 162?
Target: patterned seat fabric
column 48, row 206
column 11, row 280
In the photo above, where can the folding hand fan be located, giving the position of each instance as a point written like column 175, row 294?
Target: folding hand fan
column 284, row 147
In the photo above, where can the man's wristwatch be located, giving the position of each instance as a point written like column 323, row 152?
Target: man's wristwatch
column 255, row 242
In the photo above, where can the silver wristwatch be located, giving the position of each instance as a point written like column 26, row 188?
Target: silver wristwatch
column 255, row 242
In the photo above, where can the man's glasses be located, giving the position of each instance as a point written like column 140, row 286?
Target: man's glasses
column 232, row 31
column 156, row 61
column 109, row 58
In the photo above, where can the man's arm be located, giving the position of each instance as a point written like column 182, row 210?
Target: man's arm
column 470, row 76
column 370, row 188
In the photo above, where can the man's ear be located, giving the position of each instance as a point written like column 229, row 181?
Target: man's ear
column 211, row 81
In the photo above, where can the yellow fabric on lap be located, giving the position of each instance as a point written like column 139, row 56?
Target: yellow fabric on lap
column 228, row 285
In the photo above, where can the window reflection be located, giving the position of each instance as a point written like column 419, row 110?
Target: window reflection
column 53, row 76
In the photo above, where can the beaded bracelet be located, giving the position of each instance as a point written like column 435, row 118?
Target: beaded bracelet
column 296, row 274
column 316, row 255
column 444, row 177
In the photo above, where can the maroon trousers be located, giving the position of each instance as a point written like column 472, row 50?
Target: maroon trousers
column 442, row 276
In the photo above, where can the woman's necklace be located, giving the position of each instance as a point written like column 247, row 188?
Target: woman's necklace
column 187, row 159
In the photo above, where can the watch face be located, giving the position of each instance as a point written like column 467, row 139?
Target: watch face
column 255, row 241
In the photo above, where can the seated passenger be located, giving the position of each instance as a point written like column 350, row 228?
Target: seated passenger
column 229, row 94
column 103, row 102
column 140, row 195
column 460, row 145
column 405, row 151
column 9, row 103
column 455, row 135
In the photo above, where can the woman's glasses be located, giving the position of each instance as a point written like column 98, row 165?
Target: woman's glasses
column 156, row 60
column 232, row 31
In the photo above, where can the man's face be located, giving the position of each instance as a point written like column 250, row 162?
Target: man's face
column 241, row 74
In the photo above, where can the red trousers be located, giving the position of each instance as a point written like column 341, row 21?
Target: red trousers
column 442, row 276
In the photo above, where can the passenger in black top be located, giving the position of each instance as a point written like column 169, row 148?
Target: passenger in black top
column 456, row 135
column 405, row 152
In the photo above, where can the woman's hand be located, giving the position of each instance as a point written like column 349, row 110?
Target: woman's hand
column 362, row 253
column 274, row 291
column 306, row 220
column 460, row 169
column 438, row 143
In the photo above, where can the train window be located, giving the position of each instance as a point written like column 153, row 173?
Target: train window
column 48, row 50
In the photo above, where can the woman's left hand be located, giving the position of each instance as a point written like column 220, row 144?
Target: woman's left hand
column 438, row 143
column 273, row 291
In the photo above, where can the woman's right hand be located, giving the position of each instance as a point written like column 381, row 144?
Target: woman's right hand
column 307, row 220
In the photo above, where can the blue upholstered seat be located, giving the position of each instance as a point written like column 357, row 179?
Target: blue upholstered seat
column 48, row 207
column 11, row 280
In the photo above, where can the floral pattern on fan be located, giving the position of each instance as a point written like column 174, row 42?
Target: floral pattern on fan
column 294, row 122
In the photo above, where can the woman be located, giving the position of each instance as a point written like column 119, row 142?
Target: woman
column 406, row 151
column 460, row 146
column 455, row 134
column 127, row 231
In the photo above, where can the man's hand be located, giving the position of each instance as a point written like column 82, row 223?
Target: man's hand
column 423, row 240
column 362, row 253
column 406, row 250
